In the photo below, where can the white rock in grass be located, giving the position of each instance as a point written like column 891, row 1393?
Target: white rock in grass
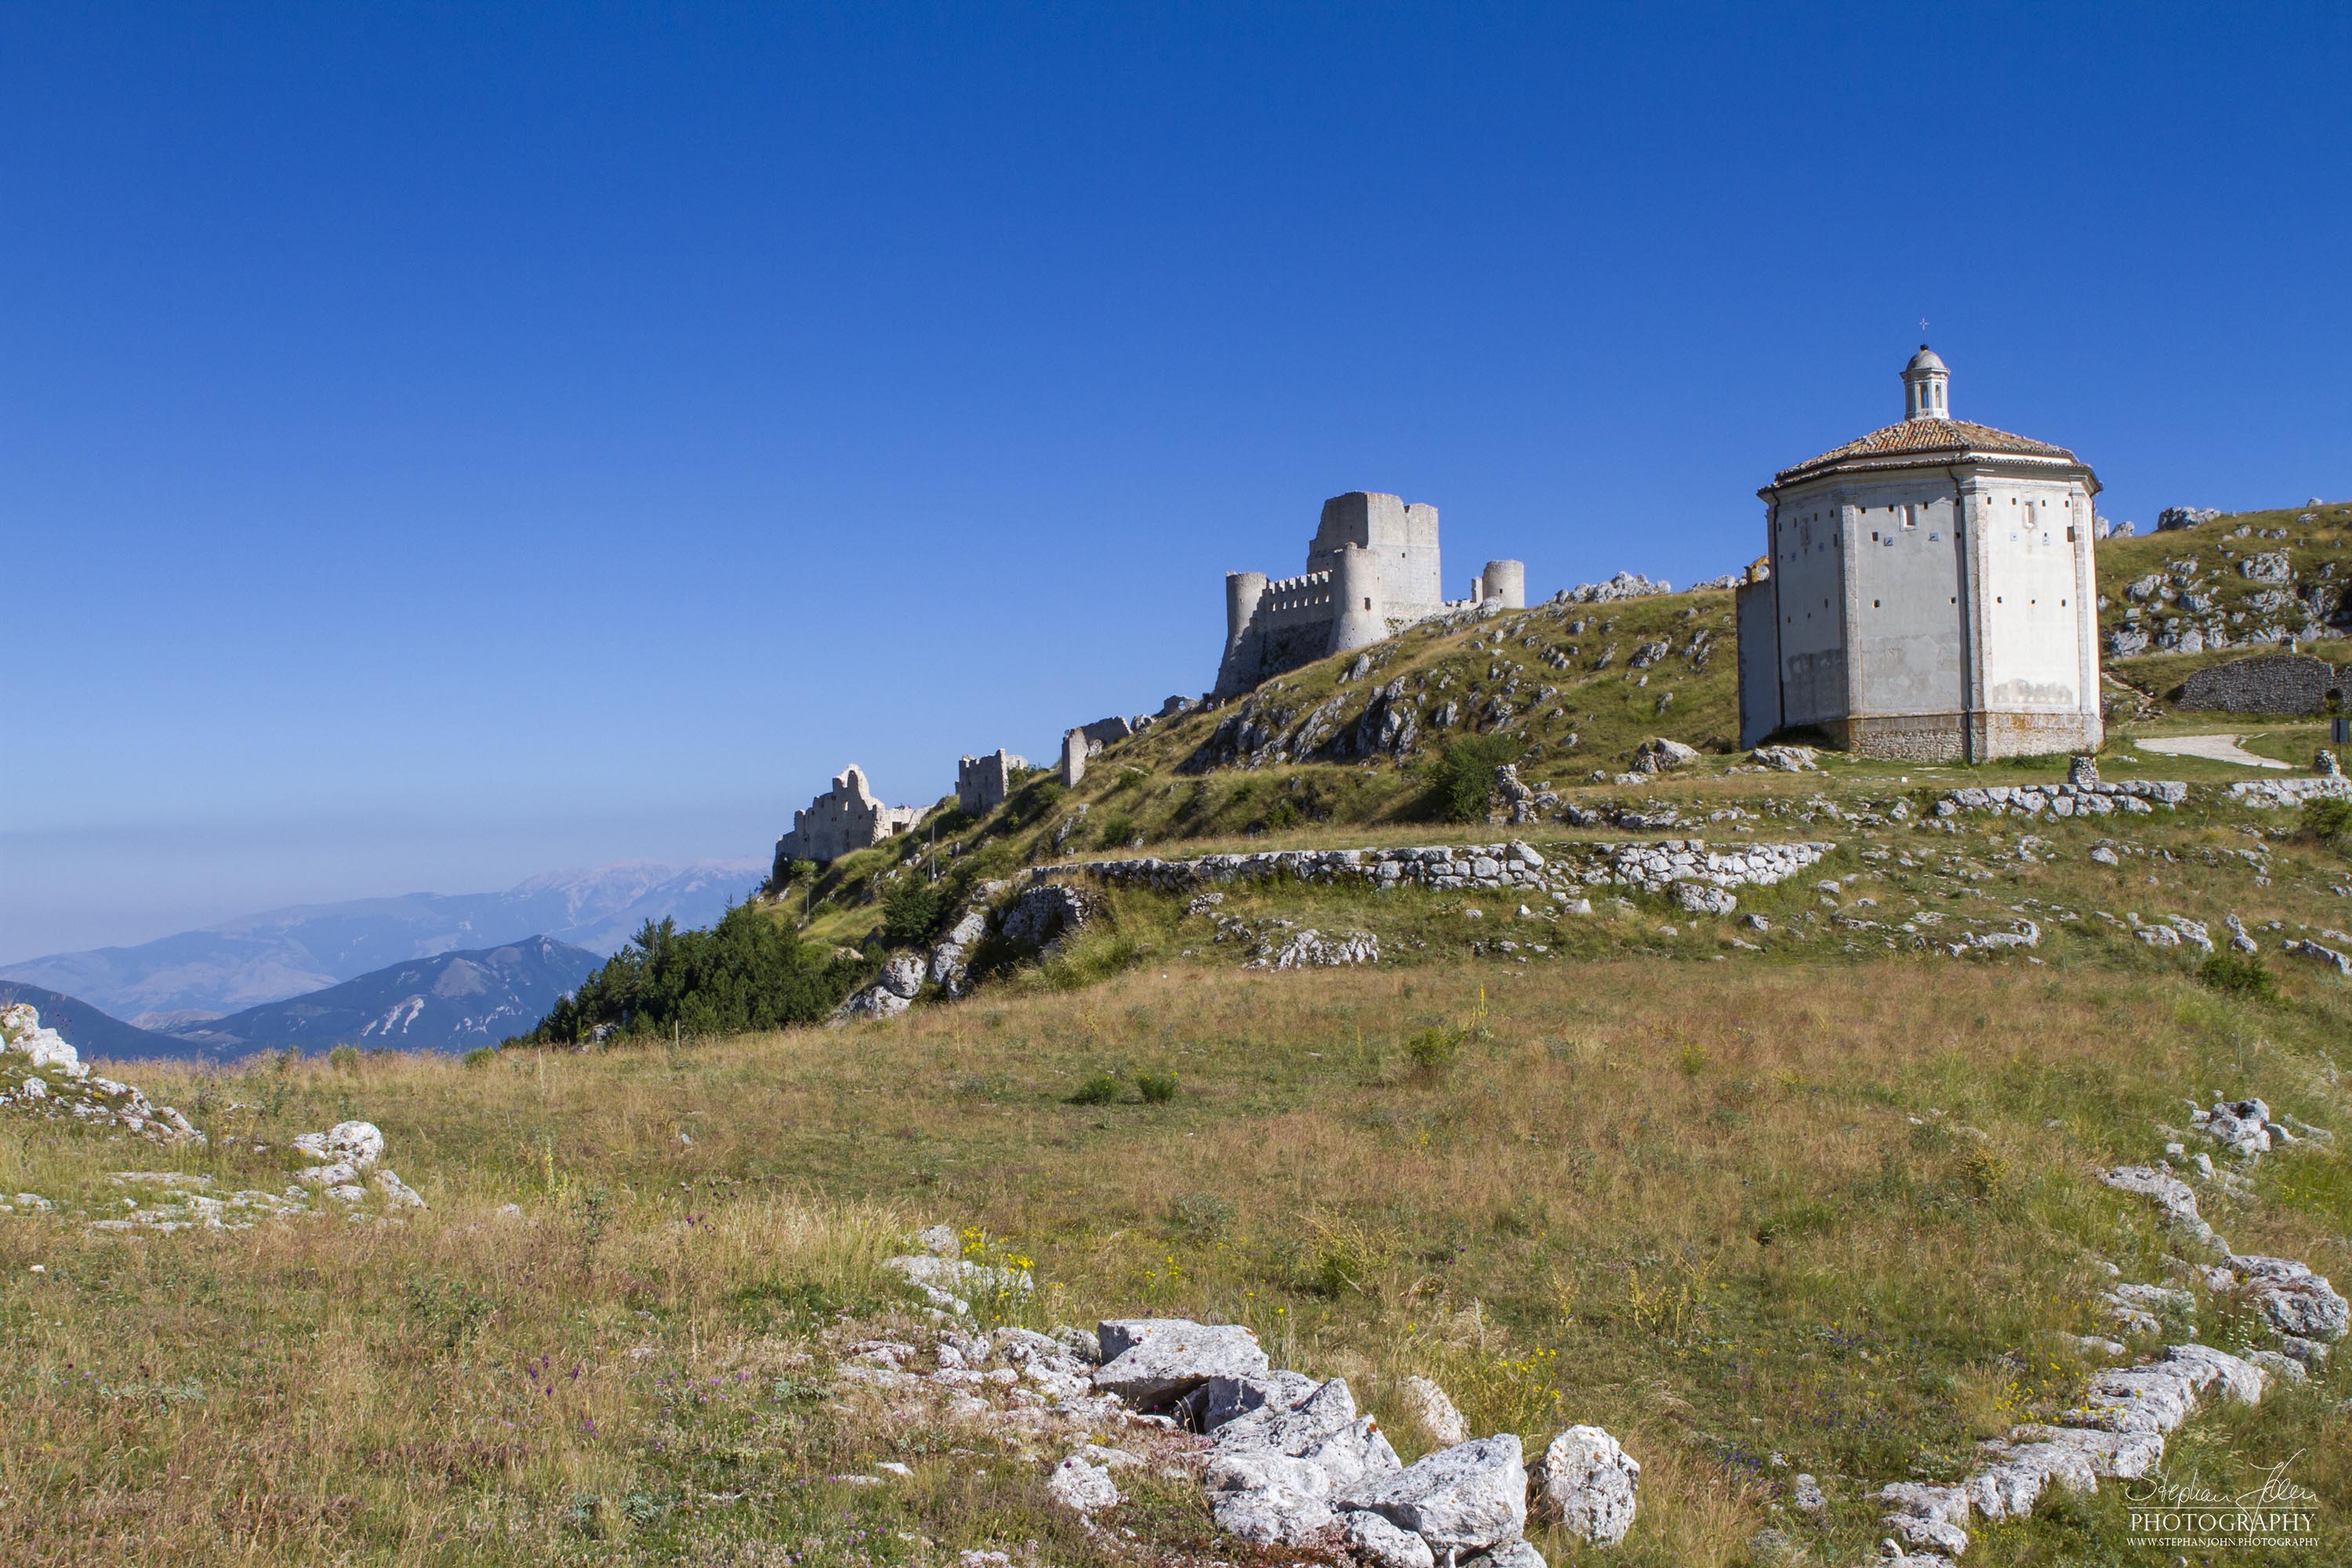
column 1151, row 1361
column 2126, row 1455
column 1382, row 1544
column 1586, row 1481
column 1459, row 1499
column 2296, row 1300
column 1271, row 1516
column 2240, row 1381
column 358, row 1145
column 396, row 1193
column 1082, row 1488
column 1293, row 1428
column 1434, row 1412
column 1222, row 1399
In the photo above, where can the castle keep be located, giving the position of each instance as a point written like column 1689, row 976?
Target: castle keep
column 1371, row 570
column 1927, row 593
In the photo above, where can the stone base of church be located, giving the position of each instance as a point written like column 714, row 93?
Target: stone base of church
column 1966, row 737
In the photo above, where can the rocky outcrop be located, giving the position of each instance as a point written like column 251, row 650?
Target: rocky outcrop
column 345, row 1162
column 42, row 1076
column 1658, row 755
column 2173, row 517
column 1625, row 586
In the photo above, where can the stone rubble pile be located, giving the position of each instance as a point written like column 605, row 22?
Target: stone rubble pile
column 345, row 1160
column 1787, row 759
column 1292, row 1462
column 41, row 1075
column 1284, row 944
column 1625, row 586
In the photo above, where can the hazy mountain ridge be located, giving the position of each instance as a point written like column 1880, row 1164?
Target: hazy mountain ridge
column 451, row 1001
column 89, row 1031
column 288, row 952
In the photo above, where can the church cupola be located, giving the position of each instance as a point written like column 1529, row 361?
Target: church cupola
column 1926, row 387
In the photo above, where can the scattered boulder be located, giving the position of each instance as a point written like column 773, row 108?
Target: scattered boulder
column 1658, row 755
column 1787, row 759
column 902, row 975
column 1434, row 1413
column 1585, row 1482
column 2179, row 517
column 1698, row 899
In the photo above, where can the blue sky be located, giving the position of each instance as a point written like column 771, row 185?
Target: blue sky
column 440, row 443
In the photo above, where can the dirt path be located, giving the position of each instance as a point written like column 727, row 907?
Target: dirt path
column 2217, row 748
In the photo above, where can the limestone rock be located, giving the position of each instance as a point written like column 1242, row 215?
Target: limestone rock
column 1220, row 1400
column 359, row 1145
column 1658, row 755
column 1510, row 1554
column 1586, row 1482
column 1382, row 1544
column 1434, row 1413
column 902, row 975
column 1082, row 1488
column 2294, row 1299
column 1463, row 1499
column 1046, row 913
column 1271, row 1516
column 1151, row 1361
column 1806, row 1495
column 1698, row 899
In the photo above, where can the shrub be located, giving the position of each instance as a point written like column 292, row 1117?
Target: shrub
column 482, row 1056
column 911, row 911
column 746, row 972
column 1157, row 1088
column 1117, row 831
column 1201, row 1215
column 1462, row 777
column 2239, row 974
column 1434, row 1048
column 344, row 1059
column 1100, row 1089
column 2329, row 823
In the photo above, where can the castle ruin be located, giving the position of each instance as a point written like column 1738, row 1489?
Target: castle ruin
column 848, row 816
column 982, row 782
column 1372, row 570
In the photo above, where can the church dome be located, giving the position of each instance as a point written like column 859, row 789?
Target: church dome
column 1926, row 359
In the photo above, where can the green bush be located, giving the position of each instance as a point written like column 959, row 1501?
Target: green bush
column 344, row 1059
column 1117, row 832
column 1157, row 1088
column 1100, row 1089
column 746, row 972
column 911, row 911
column 2329, row 823
column 2239, row 974
column 1434, row 1048
column 1462, row 777
column 482, row 1056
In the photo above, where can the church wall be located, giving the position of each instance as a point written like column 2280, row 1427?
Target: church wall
column 1907, row 641
column 1811, row 578
column 2028, row 603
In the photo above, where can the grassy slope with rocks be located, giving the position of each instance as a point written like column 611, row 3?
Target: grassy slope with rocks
column 1819, row 1193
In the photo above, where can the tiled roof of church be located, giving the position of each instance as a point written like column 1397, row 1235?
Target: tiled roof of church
column 1927, row 440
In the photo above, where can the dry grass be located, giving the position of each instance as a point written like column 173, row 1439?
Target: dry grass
column 1727, row 1214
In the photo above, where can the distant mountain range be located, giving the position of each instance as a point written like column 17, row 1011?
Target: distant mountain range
column 453, row 1001
column 177, row 981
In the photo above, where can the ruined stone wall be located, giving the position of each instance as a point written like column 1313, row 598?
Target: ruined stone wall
column 2269, row 683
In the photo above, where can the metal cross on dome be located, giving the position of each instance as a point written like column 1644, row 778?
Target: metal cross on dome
column 1923, row 326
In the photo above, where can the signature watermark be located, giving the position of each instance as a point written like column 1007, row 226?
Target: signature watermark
column 2276, row 1512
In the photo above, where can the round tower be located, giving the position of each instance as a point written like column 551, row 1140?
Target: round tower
column 1507, row 581
column 1357, row 619
column 1243, row 591
column 1927, row 386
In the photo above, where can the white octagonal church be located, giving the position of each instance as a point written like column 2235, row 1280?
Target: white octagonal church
column 1927, row 593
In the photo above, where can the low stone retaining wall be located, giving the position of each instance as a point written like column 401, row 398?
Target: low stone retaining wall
column 1652, row 866
column 2263, row 794
column 2065, row 799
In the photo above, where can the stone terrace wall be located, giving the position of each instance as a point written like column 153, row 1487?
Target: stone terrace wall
column 1652, row 866
column 2269, row 683
column 2067, row 799
column 2263, row 794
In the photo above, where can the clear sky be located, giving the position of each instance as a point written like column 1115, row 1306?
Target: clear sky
column 439, row 443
